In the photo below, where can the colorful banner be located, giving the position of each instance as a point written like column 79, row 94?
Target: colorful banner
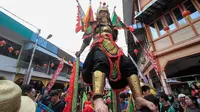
column 55, row 76
column 43, row 108
column 70, row 95
column 131, row 105
column 88, row 17
column 80, row 17
column 150, row 56
column 84, row 98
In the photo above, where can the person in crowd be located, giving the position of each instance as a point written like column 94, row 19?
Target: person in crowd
column 39, row 86
column 19, row 82
column 11, row 99
column 145, row 90
column 150, row 97
column 123, row 102
column 153, row 99
column 182, row 105
column 195, row 91
column 88, row 105
column 164, row 104
column 57, row 104
column 192, row 104
column 173, row 102
column 28, row 90
column 33, row 83
column 46, row 99
column 151, row 90
column 60, row 91
column 2, row 78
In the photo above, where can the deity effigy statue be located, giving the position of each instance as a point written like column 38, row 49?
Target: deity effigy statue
column 107, row 60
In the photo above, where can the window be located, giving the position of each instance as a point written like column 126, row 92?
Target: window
column 160, row 27
column 153, row 31
column 170, row 22
column 4, row 49
column 194, row 14
column 179, row 16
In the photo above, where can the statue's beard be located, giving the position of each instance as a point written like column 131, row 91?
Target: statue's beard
column 104, row 20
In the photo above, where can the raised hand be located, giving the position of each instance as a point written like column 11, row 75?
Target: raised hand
column 78, row 53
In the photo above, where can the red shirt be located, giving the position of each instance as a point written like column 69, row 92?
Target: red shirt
column 88, row 106
column 195, row 92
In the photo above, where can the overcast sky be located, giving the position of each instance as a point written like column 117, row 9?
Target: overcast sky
column 58, row 17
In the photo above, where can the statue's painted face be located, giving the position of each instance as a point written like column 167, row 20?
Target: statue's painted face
column 103, row 13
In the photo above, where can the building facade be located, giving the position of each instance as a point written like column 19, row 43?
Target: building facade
column 16, row 47
column 170, row 31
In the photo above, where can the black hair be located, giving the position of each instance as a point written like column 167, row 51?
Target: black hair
column 54, row 92
column 88, row 93
column 122, row 95
column 60, row 90
column 152, row 99
column 26, row 89
column 164, row 96
column 2, row 78
column 145, row 88
column 171, row 100
column 127, row 95
column 194, row 101
column 195, row 86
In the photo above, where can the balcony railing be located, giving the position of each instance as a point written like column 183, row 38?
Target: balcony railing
column 24, row 65
column 39, row 69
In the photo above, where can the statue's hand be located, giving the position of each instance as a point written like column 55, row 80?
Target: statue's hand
column 143, row 102
column 100, row 106
column 78, row 53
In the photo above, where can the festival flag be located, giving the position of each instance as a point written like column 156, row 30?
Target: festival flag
column 131, row 105
column 55, row 76
column 139, row 71
column 150, row 56
column 80, row 17
column 84, row 98
column 88, row 17
column 117, row 23
column 42, row 108
column 69, row 97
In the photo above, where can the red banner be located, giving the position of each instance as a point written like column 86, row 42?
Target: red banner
column 55, row 76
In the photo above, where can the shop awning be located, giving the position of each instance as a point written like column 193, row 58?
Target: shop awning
column 151, row 8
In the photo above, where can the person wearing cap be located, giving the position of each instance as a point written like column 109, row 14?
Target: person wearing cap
column 106, row 59
column 57, row 104
column 183, row 105
column 11, row 99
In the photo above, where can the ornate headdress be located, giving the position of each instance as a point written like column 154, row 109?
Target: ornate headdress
column 103, row 7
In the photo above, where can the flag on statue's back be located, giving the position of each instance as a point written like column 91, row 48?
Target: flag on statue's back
column 88, row 17
column 117, row 23
column 80, row 17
